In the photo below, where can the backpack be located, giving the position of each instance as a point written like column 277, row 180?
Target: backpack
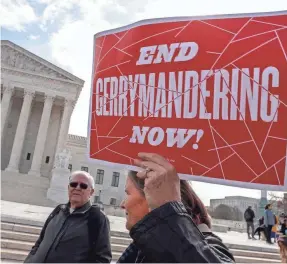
column 247, row 216
column 93, row 223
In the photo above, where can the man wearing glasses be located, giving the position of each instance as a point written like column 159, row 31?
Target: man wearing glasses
column 74, row 232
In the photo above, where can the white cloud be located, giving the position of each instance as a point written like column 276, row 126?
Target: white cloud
column 16, row 14
column 56, row 10
column 34, row 37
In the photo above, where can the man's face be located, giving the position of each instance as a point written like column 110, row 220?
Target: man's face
column 78, row 195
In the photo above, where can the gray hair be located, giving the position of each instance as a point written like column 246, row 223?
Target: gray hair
column 87, row 175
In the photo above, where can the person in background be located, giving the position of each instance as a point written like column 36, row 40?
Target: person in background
column 269, row 222
column 166, row 219
column 260, row 228
column 74, row 232
column 249, row 216
column 282, row 241
column 275, row 229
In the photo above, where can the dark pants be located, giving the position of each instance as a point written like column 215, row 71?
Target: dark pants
column 268, row 233
column 250, row 224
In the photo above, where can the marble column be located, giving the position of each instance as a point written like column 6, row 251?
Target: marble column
column 41, row 137
column 20, row 132
column 68, row 109
column 5, row 106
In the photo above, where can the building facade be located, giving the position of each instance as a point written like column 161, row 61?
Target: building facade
column 37, row 101
column 240, row 202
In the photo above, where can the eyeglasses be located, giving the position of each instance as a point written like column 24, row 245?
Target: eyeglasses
column 83, row 186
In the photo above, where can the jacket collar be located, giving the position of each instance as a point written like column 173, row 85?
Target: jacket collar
column 80, row 210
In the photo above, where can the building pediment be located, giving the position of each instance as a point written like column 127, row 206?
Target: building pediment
column 16, row 58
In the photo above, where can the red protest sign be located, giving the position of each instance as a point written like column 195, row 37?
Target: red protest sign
column 209, row 94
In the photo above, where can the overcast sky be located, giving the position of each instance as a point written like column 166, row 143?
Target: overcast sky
column 61, row 31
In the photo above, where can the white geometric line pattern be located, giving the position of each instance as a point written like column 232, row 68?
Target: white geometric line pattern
column 161, row 33
column 195, row 162
column 235, row 144
column 268, row 23
column 269, row 128
column 259, row 34
column 278, row 138
column 273, row 165
column 281, row 45
column 212, row 129
column 249, row 131
column 221, row 162
column 217, row 27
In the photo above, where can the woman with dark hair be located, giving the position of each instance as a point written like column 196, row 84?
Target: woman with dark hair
column 166, row 219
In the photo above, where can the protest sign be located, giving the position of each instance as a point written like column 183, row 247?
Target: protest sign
column 208, row 93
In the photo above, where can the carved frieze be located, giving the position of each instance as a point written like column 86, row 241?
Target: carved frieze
column 12, row 58
column 49, row 83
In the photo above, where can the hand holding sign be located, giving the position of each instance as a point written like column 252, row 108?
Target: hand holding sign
column 162, row 184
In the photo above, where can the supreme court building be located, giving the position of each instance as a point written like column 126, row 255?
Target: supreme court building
column 37, row 101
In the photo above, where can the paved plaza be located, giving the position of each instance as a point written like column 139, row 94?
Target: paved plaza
column 31, row 214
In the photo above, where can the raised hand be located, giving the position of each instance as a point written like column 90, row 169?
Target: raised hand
column 162, row 184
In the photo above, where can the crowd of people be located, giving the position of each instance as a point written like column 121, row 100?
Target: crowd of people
column 166, row 220
column 270, row 227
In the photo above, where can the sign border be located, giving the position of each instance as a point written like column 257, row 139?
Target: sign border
column 199, row 178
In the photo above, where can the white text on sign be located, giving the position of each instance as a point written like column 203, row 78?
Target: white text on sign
column 174, row 52
column 156, row 135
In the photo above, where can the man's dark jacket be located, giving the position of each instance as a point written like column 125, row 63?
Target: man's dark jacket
column 168, row 234
column 66, row 237
column 249, row 215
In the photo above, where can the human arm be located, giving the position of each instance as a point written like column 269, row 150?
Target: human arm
column 168, row 234
column 37, row 244
column 265, row 219
column 101, row 248
column 253, row 214
column 41, row 236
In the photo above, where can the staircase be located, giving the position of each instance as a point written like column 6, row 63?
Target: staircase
column 17, row 240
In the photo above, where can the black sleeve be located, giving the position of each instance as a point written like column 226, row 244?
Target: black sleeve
column 37, row 244
column 41, row 236
column 101, row 251
column 168, row 234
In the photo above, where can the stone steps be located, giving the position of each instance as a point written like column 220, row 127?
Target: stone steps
column 26, row 246
column 17, row 240
column 255, row 254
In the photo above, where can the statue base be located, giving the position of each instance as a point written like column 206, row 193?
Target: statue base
column 58, row 191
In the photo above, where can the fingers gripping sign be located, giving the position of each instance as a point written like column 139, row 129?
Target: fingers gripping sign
column 162, row 184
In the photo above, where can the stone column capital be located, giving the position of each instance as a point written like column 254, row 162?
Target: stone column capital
column 49, row 98
column 9, row 89
column 69, row 103
column 29, row 93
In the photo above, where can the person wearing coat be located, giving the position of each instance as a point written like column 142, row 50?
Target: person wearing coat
column 269, row 222
column 76, row 232
column 166, row 219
